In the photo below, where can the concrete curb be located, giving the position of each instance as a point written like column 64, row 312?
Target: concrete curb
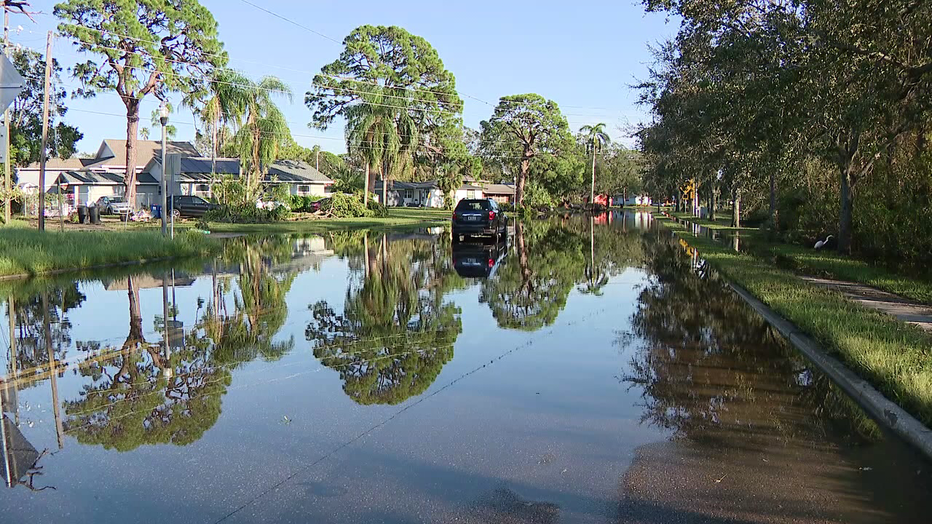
column 872, row 401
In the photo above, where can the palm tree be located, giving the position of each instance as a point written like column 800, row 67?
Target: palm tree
column 596, row 138
column 222, row 103
column 379, row 130
column 261, row 129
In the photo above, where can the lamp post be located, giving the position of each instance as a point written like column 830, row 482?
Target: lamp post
column 163, row 118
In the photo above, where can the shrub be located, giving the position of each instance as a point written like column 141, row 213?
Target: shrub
column 378, row 209
column 342, row 205
column 232, row 214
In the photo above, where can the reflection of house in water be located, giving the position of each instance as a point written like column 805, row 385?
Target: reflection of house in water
column 145, row 281
column 306, row 253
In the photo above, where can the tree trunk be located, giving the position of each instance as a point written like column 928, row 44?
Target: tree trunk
column 773, row 200
column 213, row 157
column 365, row 189
column 592, row 188
column 384, row 170
column 696, row 212
column 736, row 210
column 522, row 180
column 132, row 129
column 845, row 232
column 712, row 203
column 252, row 191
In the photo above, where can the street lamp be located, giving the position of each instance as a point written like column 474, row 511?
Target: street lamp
column 163, row 118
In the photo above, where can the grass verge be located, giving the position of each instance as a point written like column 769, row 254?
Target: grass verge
column 29, row 252
column 398, row 218
column 893, row 356
column 720, row 223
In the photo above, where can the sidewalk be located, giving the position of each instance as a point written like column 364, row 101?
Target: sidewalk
column 896, row 306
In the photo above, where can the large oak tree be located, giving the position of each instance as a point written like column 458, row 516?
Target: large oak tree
column 523, row 127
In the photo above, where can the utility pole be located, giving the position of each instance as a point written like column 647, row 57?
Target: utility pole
column 43, row 154
column 8, row 185
column 317, row 167
column 163, row 118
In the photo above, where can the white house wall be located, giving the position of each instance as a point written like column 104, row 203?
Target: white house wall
column 315, row 189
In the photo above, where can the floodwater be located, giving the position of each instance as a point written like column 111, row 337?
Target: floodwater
column 588, row 370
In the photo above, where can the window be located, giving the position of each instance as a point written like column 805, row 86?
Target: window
column 304, row 189
column 202, row 188
column 472, row 205
column 408, row 194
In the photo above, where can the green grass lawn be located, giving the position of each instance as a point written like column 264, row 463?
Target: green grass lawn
column 826, row 263
column 28, row 252
column 894, row 356
column 398, row 218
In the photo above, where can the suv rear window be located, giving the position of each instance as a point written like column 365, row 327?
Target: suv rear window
column 472, row 205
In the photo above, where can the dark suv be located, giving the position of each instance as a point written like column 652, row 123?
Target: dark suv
column 190, row 206
column 479, row 218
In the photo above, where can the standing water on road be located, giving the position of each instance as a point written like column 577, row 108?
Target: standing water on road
column 584, row 370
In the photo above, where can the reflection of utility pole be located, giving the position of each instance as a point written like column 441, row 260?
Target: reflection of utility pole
column 168, row 350
column 365, row 245
column 53, row 374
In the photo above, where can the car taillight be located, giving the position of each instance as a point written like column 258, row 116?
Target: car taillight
column 491, row 215
column 454, row 215
column 491, row 263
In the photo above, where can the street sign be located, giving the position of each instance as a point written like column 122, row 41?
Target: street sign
column 11, row 83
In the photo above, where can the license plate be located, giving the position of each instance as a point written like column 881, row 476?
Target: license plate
column 472, row 218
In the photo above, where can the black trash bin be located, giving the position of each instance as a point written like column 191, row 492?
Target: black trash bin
column 94, row 214
column 82, row 214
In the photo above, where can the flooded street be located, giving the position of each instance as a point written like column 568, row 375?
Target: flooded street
column 588, row 370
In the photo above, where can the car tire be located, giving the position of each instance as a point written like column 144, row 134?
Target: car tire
column 176, row 213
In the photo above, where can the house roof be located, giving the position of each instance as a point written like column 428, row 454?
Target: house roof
column 498, row 189
column 61, row 164
column 295, row 171
column 397, row 185
column 146, row 150
column 204, row 165
column 87, row 178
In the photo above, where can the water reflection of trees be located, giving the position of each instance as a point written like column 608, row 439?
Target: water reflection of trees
column 550, row 258
column 396, row 331
column 33, row 336
column 710, row 368
column 170, row 391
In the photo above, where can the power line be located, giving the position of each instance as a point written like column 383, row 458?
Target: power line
column 292, row 22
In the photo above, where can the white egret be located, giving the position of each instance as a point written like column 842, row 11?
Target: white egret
column 821, row 243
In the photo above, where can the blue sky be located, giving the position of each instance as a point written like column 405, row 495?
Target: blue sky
column 582, row 55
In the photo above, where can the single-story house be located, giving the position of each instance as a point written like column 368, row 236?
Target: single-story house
column 192, row 174
column 422, row 194
column 88, row 179
column 632, row 200
column 302, row 178
column 84, row 187
column 28, row 177
column 91, row 178
column 501, row 193
column 408, row 194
